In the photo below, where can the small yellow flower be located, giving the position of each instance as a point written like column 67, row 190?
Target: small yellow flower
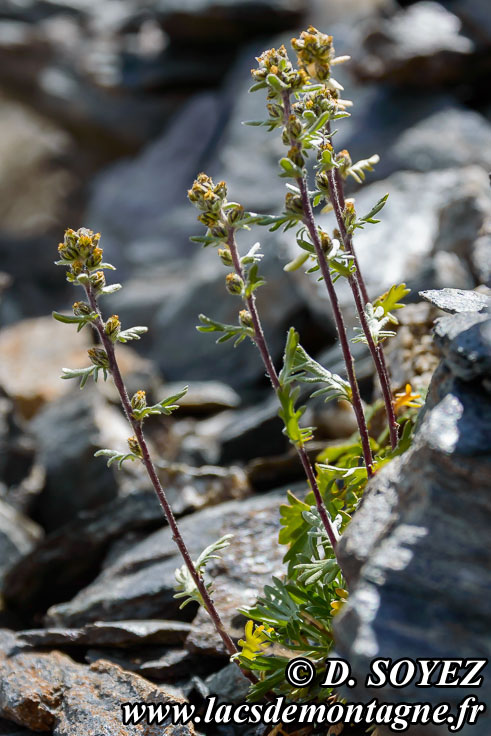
column 336, row 606
column 341, row 592
column 407, row 398
column 256, row 641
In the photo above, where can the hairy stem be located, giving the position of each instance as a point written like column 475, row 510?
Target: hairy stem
column 262, row 346
column 137, row 428
column 309, row 222
column 358, row 287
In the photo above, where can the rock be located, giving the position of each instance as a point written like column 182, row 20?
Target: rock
column 411, row 589
column 229, row 22
column 452, row 136
column 465, row 340
column 189, row 489
column 204, row 292
column 411, row 355
column 475, row 20
column 7, row 728
column 228, row 684
column 455, row 301
column 156, row 663
column 18, row 536
column 204, row 397
column 141, row 229
column 71, row 555
column 139, row 583
column 462, row 219
column 418, row 45
column 109, row 634
column 32, row 384
column 68, row 433
column 481, row 259
column 51, row 692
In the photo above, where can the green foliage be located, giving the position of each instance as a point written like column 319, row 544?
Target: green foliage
column 84, row 373
column 185, row 585
column 115, row 457
column 166, row 406
column 229, row 332
column 369, row 218
column 132, row 333
column 357, row 170
column 390, row 301
column 70, row 319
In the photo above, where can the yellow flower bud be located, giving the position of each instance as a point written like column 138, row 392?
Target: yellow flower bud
column 234, row 284
column 134, row 446
column 112, row 328
column 98, row 357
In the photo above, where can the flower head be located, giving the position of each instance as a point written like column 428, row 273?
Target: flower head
column 407, row 398
column 315, row 53
column 256, row 640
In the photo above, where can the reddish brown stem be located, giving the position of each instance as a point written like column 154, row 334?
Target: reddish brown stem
column 262, row 346
column 309, row 222
column 137, row 428
column 360, row 295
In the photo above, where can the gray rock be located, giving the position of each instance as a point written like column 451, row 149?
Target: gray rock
column 157, row 663
column 110, row 634
column 457, row 300
column 195, row 357
column 204, row 397
column 139, row 583
column 481, row 259
column 415, row 554
column 51, row 692
column 475, row 18
column 53, row 570
column 227, row 21
column 68, row 433
column 140, row 206
column 18, row 536
column 420, row 45
column 228, row 684
column 465, row 340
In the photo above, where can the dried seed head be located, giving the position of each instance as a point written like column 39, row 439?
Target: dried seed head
column 234, row 283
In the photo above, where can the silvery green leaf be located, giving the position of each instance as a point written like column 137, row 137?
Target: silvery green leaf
column 132, row 333
column 111, row 289
column 116, row 457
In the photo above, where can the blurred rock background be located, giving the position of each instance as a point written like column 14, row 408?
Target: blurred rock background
column 108, row 111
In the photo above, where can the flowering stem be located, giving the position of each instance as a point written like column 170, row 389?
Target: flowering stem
column 309, row 222
column 360, row 295
column 262, row 346
column 137, row 427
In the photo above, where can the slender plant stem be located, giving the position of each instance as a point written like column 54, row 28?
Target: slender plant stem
column 309, row 222
column 358, row 287
column 262, row 346
column 136, row 425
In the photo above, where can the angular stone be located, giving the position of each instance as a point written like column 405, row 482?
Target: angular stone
column 421, row 44
column 7, row 728
column 204, row 397
column 109, row 633
column 465, row 340
column 18, row 536
column 139, row 582
column 416, row 553
column 68, row 433
column 228, row 684
column 457, row 300
column 54, row 569
column 50, row 692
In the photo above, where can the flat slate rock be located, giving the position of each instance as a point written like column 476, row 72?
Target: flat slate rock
column 465, row 340
column 457, row 300
column 110, row 633
column 51, row 692
column 139, row 582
